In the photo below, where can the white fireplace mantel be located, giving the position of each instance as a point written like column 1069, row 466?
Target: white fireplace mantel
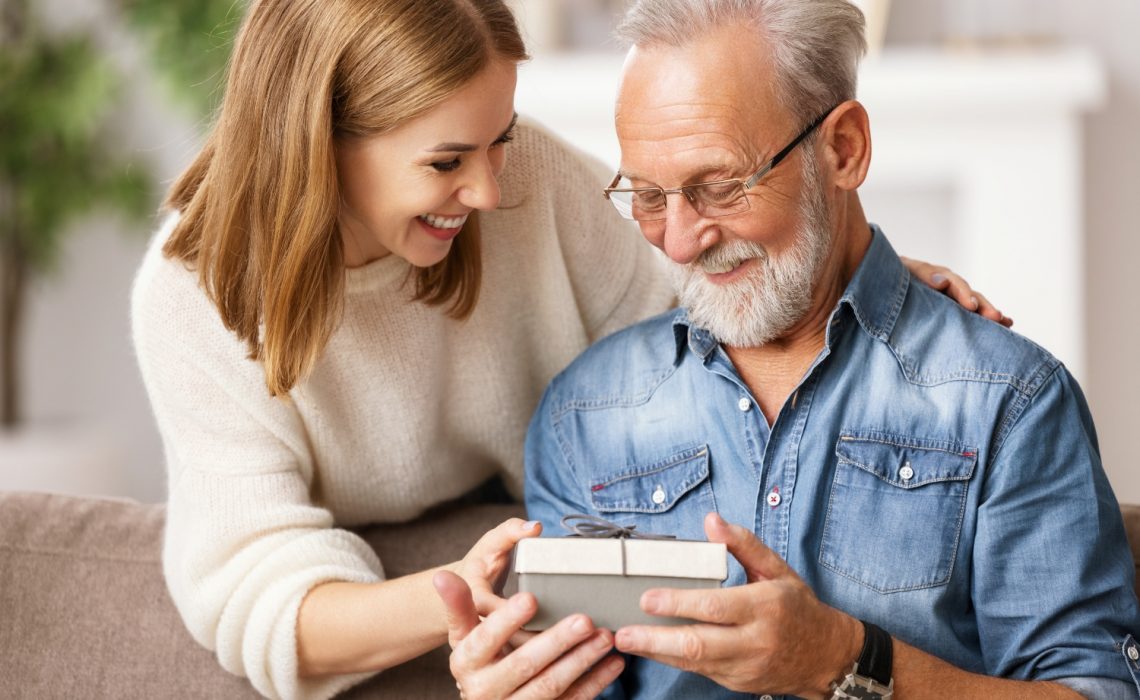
column 1000, row 131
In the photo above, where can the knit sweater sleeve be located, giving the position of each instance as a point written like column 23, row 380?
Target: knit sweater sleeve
column 618, row 278
column 244, row 541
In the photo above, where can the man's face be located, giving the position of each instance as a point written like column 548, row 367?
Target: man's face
column 707, row 111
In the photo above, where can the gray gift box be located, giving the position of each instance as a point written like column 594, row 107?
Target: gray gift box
column 604, row 578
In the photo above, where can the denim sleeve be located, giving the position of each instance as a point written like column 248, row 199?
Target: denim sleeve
column 1100, row 688
column 1053, row 574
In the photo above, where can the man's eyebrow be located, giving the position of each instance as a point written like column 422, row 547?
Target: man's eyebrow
column 455, row 147
column 702, row 174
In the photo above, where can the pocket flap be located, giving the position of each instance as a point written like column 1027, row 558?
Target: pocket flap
column 652, row 488
column 907, row 462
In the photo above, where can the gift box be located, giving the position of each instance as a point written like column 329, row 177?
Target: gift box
column 604, row 577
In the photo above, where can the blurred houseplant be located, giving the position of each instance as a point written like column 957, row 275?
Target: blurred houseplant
column 58, row 161
column 57, row 99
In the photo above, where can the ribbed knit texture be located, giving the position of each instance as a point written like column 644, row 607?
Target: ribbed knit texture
column 406, row 409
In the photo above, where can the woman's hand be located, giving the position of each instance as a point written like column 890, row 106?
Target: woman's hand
column 485, row 565
column 952, row 285
column 565, row 661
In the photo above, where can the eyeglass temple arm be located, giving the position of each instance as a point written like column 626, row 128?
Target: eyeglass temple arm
column 751, row 182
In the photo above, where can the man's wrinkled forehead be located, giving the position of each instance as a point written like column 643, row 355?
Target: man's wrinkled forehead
column 715, row 89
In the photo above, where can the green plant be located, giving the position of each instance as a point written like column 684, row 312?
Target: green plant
column 190, row 42
column 57, row 99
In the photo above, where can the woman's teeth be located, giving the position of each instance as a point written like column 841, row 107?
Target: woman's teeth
column 443, row 222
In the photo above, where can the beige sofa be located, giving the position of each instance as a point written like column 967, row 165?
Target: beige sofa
column 84, row 611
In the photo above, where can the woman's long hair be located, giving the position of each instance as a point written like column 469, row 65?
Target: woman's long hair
column 259, row 204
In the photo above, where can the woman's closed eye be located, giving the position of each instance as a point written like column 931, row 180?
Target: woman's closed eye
column 448, row 166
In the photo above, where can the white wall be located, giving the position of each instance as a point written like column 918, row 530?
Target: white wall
column 1112, row 192
column 81, row 371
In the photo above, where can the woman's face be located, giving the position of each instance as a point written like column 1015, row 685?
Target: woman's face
column 409, row 191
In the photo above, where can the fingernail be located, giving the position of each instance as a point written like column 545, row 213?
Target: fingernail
column 938, row 278
column 580, row 625
column 650, row 600
column 974, row 302
column 624, row 639
column 602, row 641
column 530, row 524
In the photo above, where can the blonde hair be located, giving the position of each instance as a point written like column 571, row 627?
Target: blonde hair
column 259, row 204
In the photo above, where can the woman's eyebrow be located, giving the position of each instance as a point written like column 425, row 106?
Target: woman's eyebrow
column 455, row 147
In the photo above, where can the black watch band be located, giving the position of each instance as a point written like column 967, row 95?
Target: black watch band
column 876, row 659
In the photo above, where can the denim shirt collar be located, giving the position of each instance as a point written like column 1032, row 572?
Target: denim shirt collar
column 875, row 295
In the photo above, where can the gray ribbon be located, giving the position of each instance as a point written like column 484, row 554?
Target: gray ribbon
column 591, row 526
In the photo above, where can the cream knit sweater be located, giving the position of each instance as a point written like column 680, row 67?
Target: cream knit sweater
column 406, row 409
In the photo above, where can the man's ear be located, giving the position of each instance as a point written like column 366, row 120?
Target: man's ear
column 846, row 144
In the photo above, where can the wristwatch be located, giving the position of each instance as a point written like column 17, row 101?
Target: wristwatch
column 870, row 677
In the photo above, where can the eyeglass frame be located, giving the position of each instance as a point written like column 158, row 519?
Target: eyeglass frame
column 745, row 185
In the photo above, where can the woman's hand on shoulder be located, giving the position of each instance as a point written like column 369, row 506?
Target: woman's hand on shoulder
column 954, row 286
column 494, row 658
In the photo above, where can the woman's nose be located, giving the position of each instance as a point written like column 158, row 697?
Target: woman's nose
column 481, row 188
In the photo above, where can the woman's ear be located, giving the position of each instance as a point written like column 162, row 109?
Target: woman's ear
column 847, row 144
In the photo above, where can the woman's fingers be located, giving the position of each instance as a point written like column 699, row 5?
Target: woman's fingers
column 458, row 605
column 957, row 288
column 487, row 560
column 483, row 644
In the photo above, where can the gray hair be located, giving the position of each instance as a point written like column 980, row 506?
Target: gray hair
column 816, row 44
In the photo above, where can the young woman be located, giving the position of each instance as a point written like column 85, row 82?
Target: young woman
column 349, row 316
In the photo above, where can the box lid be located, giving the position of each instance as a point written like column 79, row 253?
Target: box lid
column 604, row 556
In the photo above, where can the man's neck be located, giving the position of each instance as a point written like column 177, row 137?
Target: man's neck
column 771, row 371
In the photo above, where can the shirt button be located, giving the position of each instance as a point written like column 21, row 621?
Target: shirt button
column 906, row 473
column 744, row 404
column 765, row 697
column 1133, row 653
column 774, row 498
column 659, row 496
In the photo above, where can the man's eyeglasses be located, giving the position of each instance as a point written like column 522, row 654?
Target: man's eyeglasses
column 710, row 199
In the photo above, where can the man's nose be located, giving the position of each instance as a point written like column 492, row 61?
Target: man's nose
column 480, row 190
column 687, row 233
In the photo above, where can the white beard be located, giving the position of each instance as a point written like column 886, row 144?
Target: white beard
column 775, row 293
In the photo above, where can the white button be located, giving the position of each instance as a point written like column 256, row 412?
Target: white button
column 1133, row 654
column 906, row 473
column 744, row 404
column 659, row 496
column 765, row 697
column 774, row 498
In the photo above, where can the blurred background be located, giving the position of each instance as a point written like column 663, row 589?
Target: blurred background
column 1005, row 147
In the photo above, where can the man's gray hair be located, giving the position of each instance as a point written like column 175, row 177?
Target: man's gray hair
column 816, row 44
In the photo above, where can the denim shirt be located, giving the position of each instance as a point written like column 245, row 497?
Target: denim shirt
column 933, row 473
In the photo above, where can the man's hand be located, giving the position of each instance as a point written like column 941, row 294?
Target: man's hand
column 771, row 635
column 565, row 661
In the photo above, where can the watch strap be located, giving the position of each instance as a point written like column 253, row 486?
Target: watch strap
column 876, row 659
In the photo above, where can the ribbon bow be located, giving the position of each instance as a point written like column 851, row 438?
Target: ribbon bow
column 583, row 525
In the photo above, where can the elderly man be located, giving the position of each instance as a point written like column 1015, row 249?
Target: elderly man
column 920, row 501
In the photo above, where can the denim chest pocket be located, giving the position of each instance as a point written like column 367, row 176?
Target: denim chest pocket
column 895, row 512
column 670, row 495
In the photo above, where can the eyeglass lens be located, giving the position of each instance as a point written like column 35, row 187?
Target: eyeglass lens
column 708, row 198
